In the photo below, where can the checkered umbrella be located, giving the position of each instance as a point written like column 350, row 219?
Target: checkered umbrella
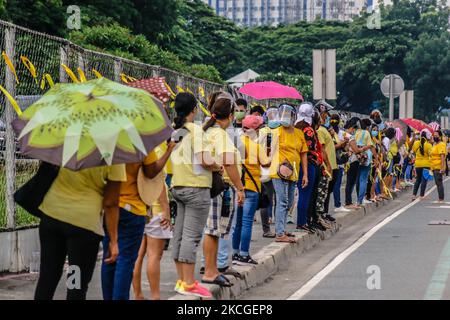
column 156, row 86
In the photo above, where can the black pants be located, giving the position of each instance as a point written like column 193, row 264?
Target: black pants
column 266, row 213
column 330, row 190
column 352, row 177
column 312, row 207
column 372, row 178
column 58, row 240
column 420, row 182
column 438, row 179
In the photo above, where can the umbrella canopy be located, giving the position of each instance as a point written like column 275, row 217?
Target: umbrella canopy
column 435, row 126
column 155, row 86
column 94, row 123
column 244, row 77
column 270, row 90
column 417, row 125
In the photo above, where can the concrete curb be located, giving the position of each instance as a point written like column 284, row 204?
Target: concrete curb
column 277, row 255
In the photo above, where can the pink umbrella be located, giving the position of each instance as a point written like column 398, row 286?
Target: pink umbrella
column 270, row 90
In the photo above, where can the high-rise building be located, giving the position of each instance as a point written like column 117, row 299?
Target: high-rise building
column 274, row 12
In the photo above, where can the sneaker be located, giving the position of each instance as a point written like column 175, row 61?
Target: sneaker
column 245, row 261
column 195, row 290
column 329, row 218
column 365, row 201
column 234, row 258
column 318, row 226
column 178, row 287
column 342, row 209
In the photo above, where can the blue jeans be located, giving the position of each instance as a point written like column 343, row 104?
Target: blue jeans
column 242, row 234
column 284, row 194
column 408, row 172
column 364, row 172
column 378, row 187
column 117, row 277
column 304, row 195
column 337, row 188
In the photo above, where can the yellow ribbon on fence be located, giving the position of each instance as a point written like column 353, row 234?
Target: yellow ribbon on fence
column 10, row 65
column 170, row 90
column 180, row 89
column 30, row 66
column 97, row 74
column 202, row 107
column 126, row 79
column 82, row 75
column 47, row 77
column 70, row 74
column 11, row 100
column 201, row 91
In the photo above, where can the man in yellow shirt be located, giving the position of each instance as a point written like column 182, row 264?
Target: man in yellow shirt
column 438, row 165
column 117, row 277
column 289, row 152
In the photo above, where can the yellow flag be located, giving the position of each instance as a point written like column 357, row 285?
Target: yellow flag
column 10, row 65
column 201, row 91
column 205, row 111
column 82, row 75
column 123, row 77
column 30, row 66
column 170, row 90
column 180, row 89
column 11, row 100
column 70, row 74
column 97, row 74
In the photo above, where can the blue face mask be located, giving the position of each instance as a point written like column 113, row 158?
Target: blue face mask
column 374, row 133
column 285, row 123
column 273, row 124
column 327, row 122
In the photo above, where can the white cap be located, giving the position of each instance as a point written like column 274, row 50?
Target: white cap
column 305, row 113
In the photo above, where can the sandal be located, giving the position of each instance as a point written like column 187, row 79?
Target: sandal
column 289, row 234
column 269, row 235
column 286, row 239
column 219, row 280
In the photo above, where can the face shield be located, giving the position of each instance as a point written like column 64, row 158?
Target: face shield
column 287, row 115
column 273, row 119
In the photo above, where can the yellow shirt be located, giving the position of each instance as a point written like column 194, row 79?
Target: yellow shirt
column 219, row 142
column 254, row 158
column 156, row 206
column 326, row 139
column 76, row 197
column 393, row 149
column 287, row 146
column 129, row 194
column 187, row 170
column 436, row 151
column 422, row 160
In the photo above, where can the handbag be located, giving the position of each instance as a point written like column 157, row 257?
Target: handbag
column 32, row 193
column 264, row 200
column 285, row 170
column 218, row 185
column 365, row 158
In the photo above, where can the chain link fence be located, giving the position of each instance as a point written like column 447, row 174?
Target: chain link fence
column 47, row 54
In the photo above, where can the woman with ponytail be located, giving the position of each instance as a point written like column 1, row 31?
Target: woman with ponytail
column 221, row 213
column 422, row 150
column 191, row 184
column 438, row 162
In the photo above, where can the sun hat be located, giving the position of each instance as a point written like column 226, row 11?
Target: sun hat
column 150, row 189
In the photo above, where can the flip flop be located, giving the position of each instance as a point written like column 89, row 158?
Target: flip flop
column 285, row 239
column 219, row 280
column 290, row 234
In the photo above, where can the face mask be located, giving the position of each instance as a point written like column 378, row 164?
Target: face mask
column 285, row 123
column 273, row 124
column 374, row 133
column 239, row 115
column 436, row 139
column 327, row 122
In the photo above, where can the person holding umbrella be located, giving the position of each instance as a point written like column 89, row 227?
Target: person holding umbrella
column 89, row 130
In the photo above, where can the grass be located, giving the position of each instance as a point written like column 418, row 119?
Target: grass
column 24, row 171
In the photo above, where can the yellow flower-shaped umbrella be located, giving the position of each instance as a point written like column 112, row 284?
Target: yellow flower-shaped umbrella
column 90, row 124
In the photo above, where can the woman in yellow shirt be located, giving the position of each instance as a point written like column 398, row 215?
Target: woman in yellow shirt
column 438, row 165
column 422, row 150
column 255, row 157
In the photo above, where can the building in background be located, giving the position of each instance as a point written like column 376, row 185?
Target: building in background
column 274, row 12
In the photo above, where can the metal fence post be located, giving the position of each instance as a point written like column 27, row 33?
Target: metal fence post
column 63, row 60
column 155, row 72
column 10, row 168
column 117, row 70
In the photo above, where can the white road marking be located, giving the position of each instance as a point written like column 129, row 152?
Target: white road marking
column 314, row 281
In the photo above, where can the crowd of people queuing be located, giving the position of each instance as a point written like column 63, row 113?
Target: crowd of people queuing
column 285, row 161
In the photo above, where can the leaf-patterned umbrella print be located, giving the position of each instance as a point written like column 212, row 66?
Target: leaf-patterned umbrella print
column 90, row 124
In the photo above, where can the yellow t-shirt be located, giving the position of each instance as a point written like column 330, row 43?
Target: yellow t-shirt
column 393, row 149
column 187, row 170
column 287, row 146
column 129, row 194
column 422, row 160
column 326, row 139
column 76, row 197
column 160, row 150
column 436, row 151
column 219, row 142
column 255, row 156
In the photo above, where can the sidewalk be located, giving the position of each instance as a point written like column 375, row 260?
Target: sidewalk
column 270, row 255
